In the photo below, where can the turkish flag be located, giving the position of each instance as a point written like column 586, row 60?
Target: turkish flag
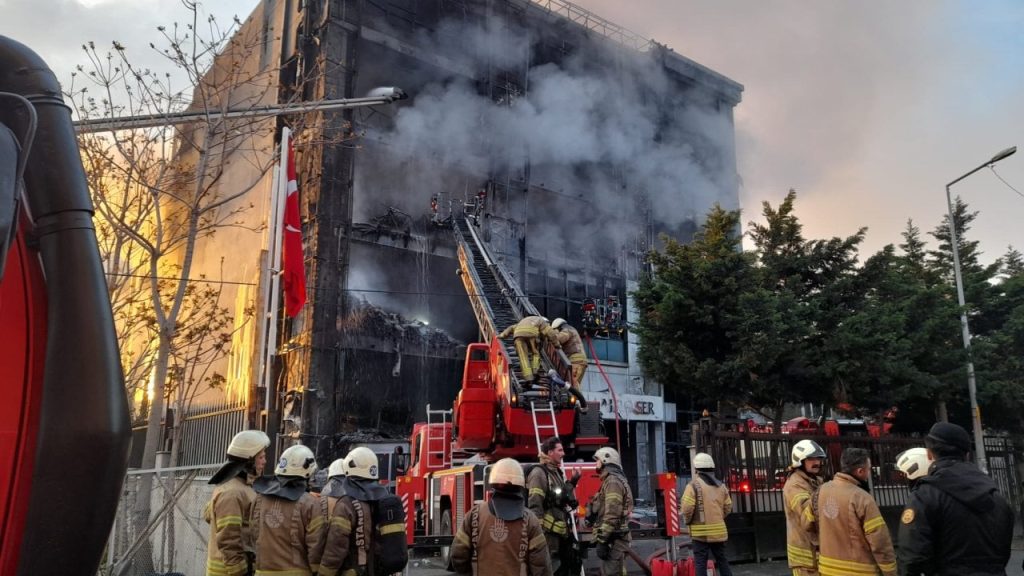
column 293, row 267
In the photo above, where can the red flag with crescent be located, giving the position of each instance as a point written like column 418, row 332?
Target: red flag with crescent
column 293, row 275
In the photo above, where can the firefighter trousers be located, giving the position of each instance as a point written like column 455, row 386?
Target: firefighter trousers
column 529, row 356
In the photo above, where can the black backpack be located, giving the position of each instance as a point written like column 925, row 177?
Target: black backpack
column 390, row 552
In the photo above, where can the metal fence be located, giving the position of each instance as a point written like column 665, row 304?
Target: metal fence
column 173, row 540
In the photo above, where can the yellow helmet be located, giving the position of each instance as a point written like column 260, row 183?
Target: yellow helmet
column 361, row 462
column 608, row 455
column 248, row 443
column 296, row 461
column 507, row 471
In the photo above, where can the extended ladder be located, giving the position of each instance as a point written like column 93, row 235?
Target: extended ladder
column 545, row 408
column 438, row 433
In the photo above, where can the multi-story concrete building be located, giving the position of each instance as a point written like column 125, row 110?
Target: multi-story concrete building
column 575, row 143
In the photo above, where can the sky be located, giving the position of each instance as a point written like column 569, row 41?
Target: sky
column 867, row 109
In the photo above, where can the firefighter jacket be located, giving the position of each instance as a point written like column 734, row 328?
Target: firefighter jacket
column 956, row 522
column 853, row 537
column 227, row 513
column 572, row 344
column 532, row 327
column 612, row 506
column 705, row 504
column 348, row 550
column 548, row 495
column 289, row 534
column 801, row 528
column 503, row 547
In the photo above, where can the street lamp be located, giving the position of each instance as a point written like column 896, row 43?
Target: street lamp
column 979, row 442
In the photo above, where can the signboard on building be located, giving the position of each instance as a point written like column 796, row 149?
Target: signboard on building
column 631, row 406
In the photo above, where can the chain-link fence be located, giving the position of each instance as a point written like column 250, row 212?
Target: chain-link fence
column 171, row 538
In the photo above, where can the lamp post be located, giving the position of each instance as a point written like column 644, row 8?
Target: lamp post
column 979, row 442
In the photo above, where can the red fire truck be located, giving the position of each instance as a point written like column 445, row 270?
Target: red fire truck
column 497, row 415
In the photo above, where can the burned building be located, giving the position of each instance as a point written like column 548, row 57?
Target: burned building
column 573, row 144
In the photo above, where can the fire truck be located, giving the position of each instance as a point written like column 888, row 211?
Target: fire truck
column 496, row 414
column 64, row 428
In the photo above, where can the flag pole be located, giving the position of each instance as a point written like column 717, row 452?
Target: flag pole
column 275, row 262
column 264, row 316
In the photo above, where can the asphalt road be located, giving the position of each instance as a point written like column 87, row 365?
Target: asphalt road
column 430, row 566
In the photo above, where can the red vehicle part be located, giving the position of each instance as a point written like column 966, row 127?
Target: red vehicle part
column 66, row 432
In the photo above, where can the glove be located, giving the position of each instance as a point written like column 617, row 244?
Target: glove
column 575, row 478
column 604, row 552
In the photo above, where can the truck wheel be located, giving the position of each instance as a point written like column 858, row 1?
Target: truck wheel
column 446, row 530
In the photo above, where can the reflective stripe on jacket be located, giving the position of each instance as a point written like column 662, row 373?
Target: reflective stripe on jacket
column 532, row 327
column 342, row 553
column 706, row 522
column 613, row 504
column 853, row 536
column 801, row 528
column 227, row 512
column 541, row 499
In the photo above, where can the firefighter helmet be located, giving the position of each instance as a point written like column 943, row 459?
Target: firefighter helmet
column 914, row 463
column 507, row 471
column 337, row 468
column 296, row 461
column 248, row 444
column 805, row 449
column 361, row 462
column 608, row 455
column 558, row 323
column 703, row 461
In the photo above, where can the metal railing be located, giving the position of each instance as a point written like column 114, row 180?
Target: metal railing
column 595, row 23
column 174, row 538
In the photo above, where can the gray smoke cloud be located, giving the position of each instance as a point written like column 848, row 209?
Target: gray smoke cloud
column 605, row 131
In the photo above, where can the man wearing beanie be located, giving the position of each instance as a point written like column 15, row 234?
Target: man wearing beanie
column 955, row 522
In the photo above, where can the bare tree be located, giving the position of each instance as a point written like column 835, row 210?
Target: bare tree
column 159, row 192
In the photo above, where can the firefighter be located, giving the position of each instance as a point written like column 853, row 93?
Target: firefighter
column 552, row 499
column 229, row 551
column 852, row 534
column 354, row 484
column 502, row 534
column 705, row 504
column 572, row 345
column 797, row 495
column 914, row 464
column 288, row 522
column 611, row 508
column 527, row 334
column 956, row 521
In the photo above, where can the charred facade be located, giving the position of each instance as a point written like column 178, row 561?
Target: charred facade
column 573, row 144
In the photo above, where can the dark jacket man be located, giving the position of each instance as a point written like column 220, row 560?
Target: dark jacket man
column 956, row 522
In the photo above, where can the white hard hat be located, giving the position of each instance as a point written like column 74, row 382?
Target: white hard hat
column 507, row 471
column 248, row 443
column 296, row 461
column 608, row 455
column 558, row 323
column 805, row 449
column 703, row 461
column 361, row 462
column 914, row 463
column 337, row 468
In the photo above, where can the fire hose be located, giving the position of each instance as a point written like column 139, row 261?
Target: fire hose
column 615, row 399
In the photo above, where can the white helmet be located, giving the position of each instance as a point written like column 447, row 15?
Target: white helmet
column 608, row 455
column 248, row 443
column 914, row 463
column 703, row 461
column 507, row 471
column 361, row 462
column 558, row 323
column 296, row 461
column 803, row 450
column 337, row 468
